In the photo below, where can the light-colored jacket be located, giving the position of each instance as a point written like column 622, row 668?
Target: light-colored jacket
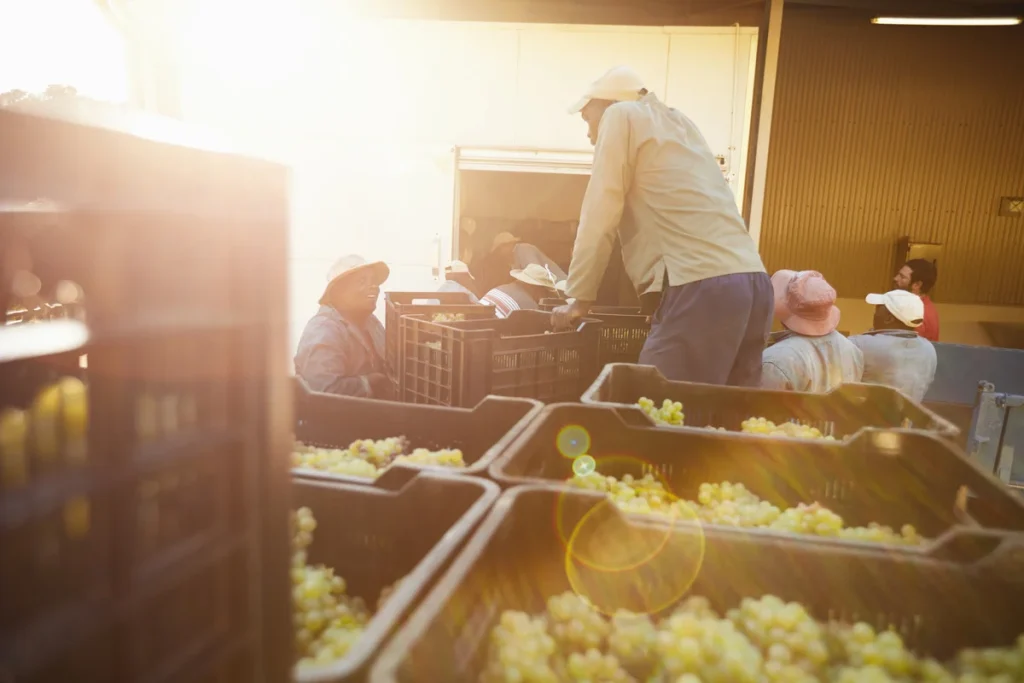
column 655, row 179
column 815, row 364
column 898, row 358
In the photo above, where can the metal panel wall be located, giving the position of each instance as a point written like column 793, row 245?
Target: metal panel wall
column 884, row 131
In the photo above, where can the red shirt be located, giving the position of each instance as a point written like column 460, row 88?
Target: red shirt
column 929, row 329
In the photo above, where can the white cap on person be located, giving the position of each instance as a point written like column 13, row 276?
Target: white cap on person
column 905, row 306
column 619, row 84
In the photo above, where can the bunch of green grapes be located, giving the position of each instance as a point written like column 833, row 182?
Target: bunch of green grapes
column 447, row 318
column 732, row 504
column 368, row 459
column 764, row 640
column 446, row 457
column 328, row 622
column 521, row 651
column 670, row 412
column 793, row 643
column 759, row 425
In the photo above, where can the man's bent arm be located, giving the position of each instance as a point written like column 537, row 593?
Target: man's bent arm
column 603, row 205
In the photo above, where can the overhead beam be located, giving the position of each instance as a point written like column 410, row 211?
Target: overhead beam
column 769, row 39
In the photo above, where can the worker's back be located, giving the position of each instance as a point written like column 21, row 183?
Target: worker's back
column 814, row 364
column 680, row 214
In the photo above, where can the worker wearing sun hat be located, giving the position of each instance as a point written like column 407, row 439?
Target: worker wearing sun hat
column 655, row 180
column 528, row 286
column 458, row 279
column 894, row 353
column 341, row 350
column 810, row 355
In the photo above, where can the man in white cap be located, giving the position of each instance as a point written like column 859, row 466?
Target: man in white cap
column 810, row 355
column 655, row 179
column 341, row 350
column 894, row 353
column 529, row 285
column 458, row 279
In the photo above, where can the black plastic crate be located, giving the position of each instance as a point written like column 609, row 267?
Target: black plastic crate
column 481, row 432
column 965, row 595
column 173, row 483
column 457, row 364
column 550, row 304
column 841, row 412
column 400, row 304
column 407, row 526
column 892, row 477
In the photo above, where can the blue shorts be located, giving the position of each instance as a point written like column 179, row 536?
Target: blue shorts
column 712, row 331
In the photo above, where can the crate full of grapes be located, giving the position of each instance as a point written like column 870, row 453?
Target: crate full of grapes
column 838, row 414
column 437, row 306
column 558, row 586
column 364, row 555
column 340, row 437
column 458, row 363
column 902, row 488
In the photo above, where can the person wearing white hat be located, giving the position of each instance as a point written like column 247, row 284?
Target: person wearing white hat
column 655, row 180
column 529, row 285
column 894, row 353
column 457, row 278
column 341, row 350
column 509, row 252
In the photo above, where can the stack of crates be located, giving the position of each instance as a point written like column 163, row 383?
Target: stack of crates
column 459, row 363
column 143, row 515
column 440, row 306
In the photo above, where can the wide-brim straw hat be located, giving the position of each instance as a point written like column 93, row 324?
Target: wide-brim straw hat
column 348, row 265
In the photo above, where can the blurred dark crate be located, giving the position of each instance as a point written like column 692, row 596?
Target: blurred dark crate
column 892, row 477
column 372, row 536
column 457, row 364
column 518, row 558
column 623, row 333
column 172, row 485
column 481, row 432
column 839, row 413
column 399, row 304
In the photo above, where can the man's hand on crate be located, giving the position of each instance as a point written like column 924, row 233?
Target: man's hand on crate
column 564, row 317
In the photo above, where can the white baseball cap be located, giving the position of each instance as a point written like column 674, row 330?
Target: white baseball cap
column 905, row 306
column 619, row 84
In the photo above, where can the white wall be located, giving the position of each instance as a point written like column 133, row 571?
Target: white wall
column 367, row 117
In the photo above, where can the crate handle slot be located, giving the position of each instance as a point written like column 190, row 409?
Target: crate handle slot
column 632, row 416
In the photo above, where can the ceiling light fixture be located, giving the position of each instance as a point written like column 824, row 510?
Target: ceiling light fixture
column 947, row 21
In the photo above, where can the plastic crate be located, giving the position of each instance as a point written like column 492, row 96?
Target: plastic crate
column 457, row 364
column 375, row 535
column 892, row 477
column 159, row 549
column 550, row 304
column 839, row 413
column 518, row 558
column 481, row 432
column 400, row 304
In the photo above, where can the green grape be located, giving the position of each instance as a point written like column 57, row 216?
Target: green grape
column 595, row 666
column 862, row 647
column 732, row 504
column 709, row 648
column 575, row 625
column 759, row 425
column 447, row 317
column 792, row 642
column 327, row 621
column 521, row 651
column 670, row 412
column 632, row 639
column 366, row 458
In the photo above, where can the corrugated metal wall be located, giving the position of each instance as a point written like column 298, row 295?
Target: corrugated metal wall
column 885, row 131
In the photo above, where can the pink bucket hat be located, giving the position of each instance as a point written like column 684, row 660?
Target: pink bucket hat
column 805, row 302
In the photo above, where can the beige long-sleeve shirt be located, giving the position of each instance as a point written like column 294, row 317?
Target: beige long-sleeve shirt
column 655, row 179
